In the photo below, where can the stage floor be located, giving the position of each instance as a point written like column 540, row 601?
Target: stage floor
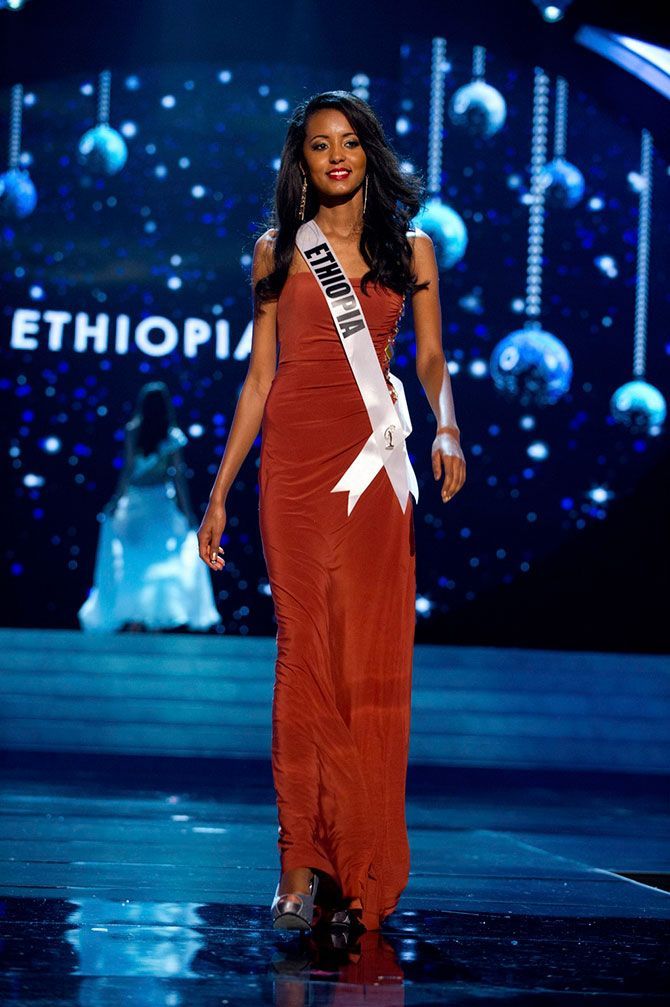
column 148, row 880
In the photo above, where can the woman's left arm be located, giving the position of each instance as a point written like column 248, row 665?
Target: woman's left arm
column 432, row 370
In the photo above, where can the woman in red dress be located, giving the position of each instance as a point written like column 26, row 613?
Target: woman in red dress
column 343, row 583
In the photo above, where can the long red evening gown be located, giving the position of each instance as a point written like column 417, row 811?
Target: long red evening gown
column 343, row 589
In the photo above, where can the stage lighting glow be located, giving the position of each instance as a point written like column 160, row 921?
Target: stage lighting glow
column 423, row 605
column 538, row 450
column 478, row 369
column 32, row 481
column 649, row 63
column 652, row 53
column 552, row 12
column 51, row 445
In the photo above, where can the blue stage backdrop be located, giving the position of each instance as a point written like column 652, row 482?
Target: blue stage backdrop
column 135, row 265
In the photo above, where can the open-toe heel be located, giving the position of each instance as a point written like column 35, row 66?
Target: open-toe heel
column 294, row 910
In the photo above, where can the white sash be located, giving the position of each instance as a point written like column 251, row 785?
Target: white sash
column 390, row 421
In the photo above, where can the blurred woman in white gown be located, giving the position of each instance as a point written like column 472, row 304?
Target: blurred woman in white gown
column 148, row 575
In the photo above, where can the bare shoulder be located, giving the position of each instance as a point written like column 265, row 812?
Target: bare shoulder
column 263, row 259
column 423, row 251
column 421, row 241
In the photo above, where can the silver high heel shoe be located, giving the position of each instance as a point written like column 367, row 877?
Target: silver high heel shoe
column 294, row 910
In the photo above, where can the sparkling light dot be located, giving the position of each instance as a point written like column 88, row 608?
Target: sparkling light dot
column 478, row 368
column 30, row 480
column 538, row 450
column 51, row 445
column 607, row 265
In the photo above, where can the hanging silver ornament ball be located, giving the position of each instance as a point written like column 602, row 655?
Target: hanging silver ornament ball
column 639, row 406
column 447, row 230
column 18, row 195
column 103, row 150
column 478, row 108
column 531, row 366
column 563, row 182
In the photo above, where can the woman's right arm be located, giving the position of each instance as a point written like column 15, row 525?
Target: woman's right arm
column 248, row 412
column 124, row 477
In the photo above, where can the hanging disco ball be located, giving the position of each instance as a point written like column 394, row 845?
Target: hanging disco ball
column 563, row 182
column 478, row 108
column 18, row 195
column 447, row 230
column 103, row 150
column 640, row 406
column 531, row 366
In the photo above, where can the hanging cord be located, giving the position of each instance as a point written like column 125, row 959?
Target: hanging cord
column 104, row 88
column 561, row 117
column 15, row 126
column 537, row 192
column 478, row 62
column 436, row 114
column 643, row 242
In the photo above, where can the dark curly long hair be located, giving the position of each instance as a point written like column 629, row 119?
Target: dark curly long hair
column 154, row 416
column 394, row 198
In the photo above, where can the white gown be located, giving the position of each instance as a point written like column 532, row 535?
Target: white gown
column 147, row 567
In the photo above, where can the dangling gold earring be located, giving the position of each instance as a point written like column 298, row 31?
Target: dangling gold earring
column 365, row 195
column 303, row 197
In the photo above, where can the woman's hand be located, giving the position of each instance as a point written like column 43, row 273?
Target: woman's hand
column 447, row 454
column 209, row 536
